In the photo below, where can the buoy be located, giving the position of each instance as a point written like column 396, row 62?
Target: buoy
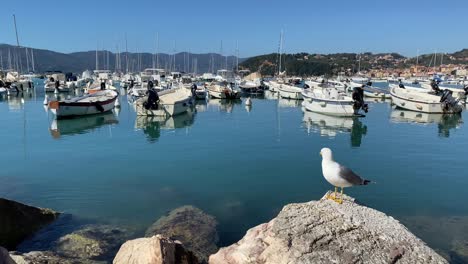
column 46, row 100
column 248, row 102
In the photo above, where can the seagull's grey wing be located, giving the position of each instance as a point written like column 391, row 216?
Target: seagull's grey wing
column 351, row 177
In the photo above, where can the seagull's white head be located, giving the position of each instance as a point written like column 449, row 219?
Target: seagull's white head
column 326, row 154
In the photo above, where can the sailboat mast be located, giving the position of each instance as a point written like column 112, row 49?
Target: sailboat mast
column 237, row 56
column 280, row 52
column 157, row 50
column 126, row 53
column 32, row 60
column 97, row 59
column 1, row 59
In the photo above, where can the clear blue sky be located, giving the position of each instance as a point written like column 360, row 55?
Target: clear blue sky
column 324, row 26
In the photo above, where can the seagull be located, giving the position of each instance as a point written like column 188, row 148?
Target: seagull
column 338, row 175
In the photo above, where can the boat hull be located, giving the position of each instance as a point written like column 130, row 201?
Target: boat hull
column 330, row 108
column 410, row 102
column 66, row 110
column 290, row 93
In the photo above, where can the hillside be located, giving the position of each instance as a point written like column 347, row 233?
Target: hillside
column 77, row 62
column 303, row 64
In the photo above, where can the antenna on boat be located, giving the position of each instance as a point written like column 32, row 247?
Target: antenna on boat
column 126, row 53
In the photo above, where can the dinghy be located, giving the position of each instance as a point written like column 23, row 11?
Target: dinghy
column 90, row 104
column 168, row 102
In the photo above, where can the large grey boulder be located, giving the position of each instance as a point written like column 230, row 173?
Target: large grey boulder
column 154, row 250
column 19, row 221
column 190, row 225
column 327, row 232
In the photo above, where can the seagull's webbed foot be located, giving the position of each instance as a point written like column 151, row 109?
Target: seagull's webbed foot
column 334, row 196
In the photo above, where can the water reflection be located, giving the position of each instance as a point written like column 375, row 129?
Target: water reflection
column 444, row 122
column 224, row 104
column 152, row 125
column 81, row 125
column 270, row 95
column 201, row 106
column 330, row 126
column 285, row 103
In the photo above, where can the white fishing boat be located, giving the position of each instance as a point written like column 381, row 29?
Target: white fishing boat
column 425, row 102
column 290, row 92
column 170, row 102
column 371, row 91
column 332, row 102
column 95, row 103
column 222, row 91
column 56, row 83
column 457, row 92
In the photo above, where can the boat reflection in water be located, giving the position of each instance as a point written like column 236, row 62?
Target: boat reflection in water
column 152, row 125
column 201, row 106
column 287, row 103
column 224, row 105
column 269, row 95
column 445, row 122
column 81, row 125
column 330, row 126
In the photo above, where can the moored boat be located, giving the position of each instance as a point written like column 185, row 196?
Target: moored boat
column 332, row 102
column 290, row 92
column 425, row 102
column 220, row 91
column 168, row 102
column 90, row 104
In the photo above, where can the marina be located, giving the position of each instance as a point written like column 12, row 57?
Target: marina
column 140, row 176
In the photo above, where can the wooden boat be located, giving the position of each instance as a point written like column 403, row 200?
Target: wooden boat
column 90, row 104
column 425, row 102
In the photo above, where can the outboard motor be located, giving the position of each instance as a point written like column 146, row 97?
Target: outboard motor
column 194, row 89
column 150, row 85
column 153, row 99
column 132, row 83
column 156, row 82
column 57, row 84
column 369, row 83
column 435, row 87
column 401, row 86
column 358, row 97
column 103, row 85
column 449, row 104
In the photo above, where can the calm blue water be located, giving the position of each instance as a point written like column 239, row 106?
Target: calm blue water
column 240, row 165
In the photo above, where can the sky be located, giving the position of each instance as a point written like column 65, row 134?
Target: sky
column 324, row 26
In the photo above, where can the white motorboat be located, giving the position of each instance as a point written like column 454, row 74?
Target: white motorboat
column 56, row 83
column 222, row 91
column 332, row 102
column 171, row 102
column 290, row 92
column 371, row 91
column 252, row 87
column 425, row 102
column 98, row 102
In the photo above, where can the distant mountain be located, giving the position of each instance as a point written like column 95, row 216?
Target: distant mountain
column 77, row 62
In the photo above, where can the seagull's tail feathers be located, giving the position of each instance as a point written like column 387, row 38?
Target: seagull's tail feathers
column 365, row 182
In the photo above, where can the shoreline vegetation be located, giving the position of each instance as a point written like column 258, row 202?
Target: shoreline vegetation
column 312, row 232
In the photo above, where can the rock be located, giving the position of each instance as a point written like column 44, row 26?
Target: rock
column 5, row 257
column 154, row 250
column 92, row 242
column 19, row 221
column 190, row 225
column 327, row 232
column 47, row 257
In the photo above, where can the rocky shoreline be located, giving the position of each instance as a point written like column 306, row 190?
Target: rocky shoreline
column 313, row 232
